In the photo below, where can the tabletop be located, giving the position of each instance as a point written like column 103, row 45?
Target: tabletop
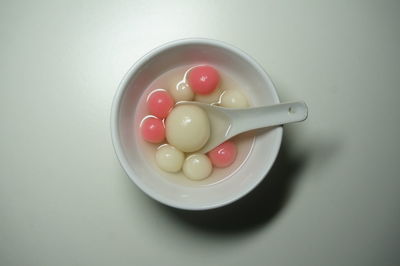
column 332, row 197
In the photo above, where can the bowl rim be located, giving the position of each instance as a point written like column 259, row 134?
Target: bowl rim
column 115, row 110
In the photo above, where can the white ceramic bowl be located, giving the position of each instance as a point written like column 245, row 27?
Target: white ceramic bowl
column 142, row 73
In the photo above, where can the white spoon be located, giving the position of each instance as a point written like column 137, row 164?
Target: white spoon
column 227, row 123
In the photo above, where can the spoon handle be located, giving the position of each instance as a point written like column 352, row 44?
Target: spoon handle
column 267, row 116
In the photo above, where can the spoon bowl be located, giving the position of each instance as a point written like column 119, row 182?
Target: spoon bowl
column 226, row 123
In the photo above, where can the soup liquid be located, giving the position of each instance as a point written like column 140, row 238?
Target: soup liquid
column 244, row 142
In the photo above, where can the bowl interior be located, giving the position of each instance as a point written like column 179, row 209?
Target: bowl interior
column 148, row 68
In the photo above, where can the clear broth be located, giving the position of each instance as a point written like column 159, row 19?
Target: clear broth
column 244, row 142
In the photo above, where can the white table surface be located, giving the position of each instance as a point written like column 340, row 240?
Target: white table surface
column 332, row 197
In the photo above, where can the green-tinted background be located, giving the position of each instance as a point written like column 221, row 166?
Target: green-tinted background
column 331, row 199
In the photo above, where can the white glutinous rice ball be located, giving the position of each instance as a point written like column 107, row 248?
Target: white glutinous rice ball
column 197, row 166
column 181, row 92
column 169, row 158
column 187, row 128
column 233, row 99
